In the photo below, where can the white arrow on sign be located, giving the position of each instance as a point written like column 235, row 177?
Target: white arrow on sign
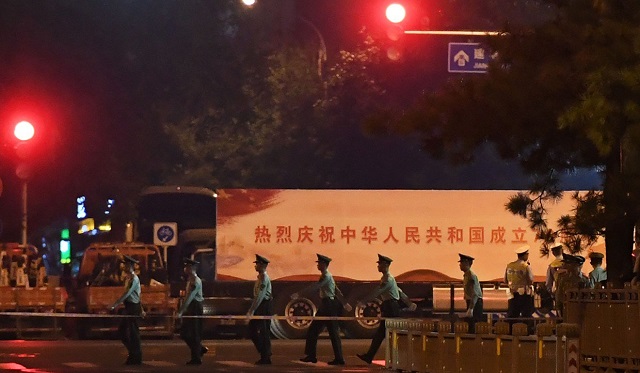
column 461, row 58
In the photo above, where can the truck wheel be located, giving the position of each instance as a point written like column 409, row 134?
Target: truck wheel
column 362, row 329
column 285, row 306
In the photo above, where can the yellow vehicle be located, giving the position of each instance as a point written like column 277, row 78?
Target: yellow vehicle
column 24, row 288
column 101, row 279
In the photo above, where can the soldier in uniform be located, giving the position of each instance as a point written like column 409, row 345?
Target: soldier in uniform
column 597, row 277
column 389, row 292
column 519, row 278
column 331, row 302
column 636, row 264
column 572, row 278
column 260, row 330
column 191, row 331
column 5, row 265
column 472, row 292
column 552, row 274
column 129, row 332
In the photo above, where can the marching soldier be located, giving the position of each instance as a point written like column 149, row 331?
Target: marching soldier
column 331, row 301
column 519, row 278
column 191, row 331
column 129, row 332
column 390, row 294
column 260, row 330
column 572, row 278
column 472, row 292
column 597, row 277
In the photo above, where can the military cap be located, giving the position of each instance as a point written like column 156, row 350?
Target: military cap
column 556, row 247
column 261, row 259
column 523, row 249
column 384, row 259
column 189, row 261
column 572, row 259
column 465, row 258
column 322, row 258
column 128, row 259
column 595, row 255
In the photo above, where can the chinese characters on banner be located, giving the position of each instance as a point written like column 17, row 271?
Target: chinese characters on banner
column 433, row 235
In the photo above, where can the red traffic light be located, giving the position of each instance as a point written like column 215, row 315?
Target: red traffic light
column 396, row 13
column 24, row 131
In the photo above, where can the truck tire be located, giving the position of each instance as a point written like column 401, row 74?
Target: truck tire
column 285, row 306
column 362, row 329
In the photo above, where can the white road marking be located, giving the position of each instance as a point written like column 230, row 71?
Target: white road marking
column 81, row 365
column 233, row 363
column 11, row 366
column 159, row 363
column 318, row 364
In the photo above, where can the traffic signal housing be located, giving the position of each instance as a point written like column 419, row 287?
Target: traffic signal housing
column 65, row 247
column 395, row 14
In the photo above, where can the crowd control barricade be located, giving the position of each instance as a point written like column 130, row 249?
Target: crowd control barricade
column 437, row 346
column 40, row 299
column 609, row 322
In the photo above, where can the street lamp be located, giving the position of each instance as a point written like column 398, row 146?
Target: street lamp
column 24, row 132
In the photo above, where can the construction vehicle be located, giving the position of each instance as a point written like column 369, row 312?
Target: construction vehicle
column 24, row 287
column 100, row 283
column 421, row 230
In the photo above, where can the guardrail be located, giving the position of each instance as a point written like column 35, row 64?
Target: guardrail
column 49, row 299
column 437, row 346
column 609, row 321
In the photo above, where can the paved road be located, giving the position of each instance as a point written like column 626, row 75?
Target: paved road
column 171, row 355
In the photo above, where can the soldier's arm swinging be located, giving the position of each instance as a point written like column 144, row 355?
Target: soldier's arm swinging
column 126, row 294
column 197, row 286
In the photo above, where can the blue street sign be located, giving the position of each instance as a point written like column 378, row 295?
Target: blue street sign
column 468, row 58
column 166, row 234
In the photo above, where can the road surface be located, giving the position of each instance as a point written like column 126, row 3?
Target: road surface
column 171, row 355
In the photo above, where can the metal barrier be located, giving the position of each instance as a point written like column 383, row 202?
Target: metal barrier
column 609, row 322
column 438, row 346
column 48, row 299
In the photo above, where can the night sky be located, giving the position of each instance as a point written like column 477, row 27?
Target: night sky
column 60, row 69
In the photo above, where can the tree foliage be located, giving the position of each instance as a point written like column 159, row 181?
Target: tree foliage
column 561, row 95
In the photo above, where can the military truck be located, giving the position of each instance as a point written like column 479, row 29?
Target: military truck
column 422, row 230
column 100, row 283
column 25, row 287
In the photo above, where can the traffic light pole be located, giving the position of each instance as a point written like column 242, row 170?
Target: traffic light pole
column 24, row 212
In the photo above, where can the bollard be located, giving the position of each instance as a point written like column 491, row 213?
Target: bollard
column 420, row 344
column 487, row 361
column 523, row 349
column 402, row 345
column 632, row 327
column 546, row 356
column 503, row 358
column 567, row 348
column 391, row 350
column 447, row 351
column 468, row 348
